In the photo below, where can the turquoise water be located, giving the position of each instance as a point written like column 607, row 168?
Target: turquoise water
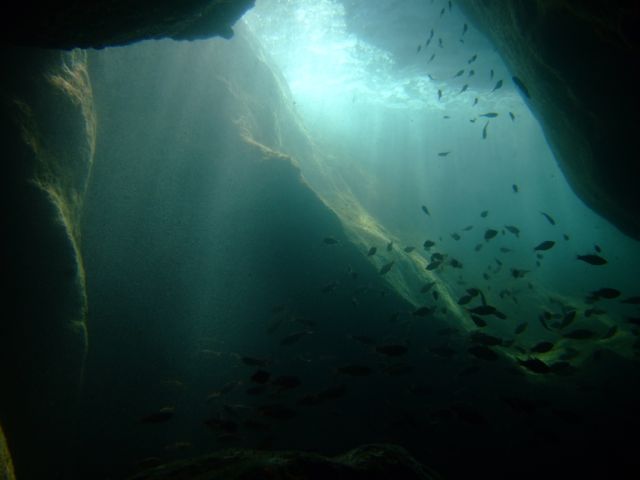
column 234, row 304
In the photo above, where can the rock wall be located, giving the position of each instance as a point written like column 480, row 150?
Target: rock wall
column 48, row 134
column 579, row 62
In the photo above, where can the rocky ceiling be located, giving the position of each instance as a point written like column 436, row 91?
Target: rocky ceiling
column 579, row 60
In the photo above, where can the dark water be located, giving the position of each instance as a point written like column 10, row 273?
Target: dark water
column 209, row 260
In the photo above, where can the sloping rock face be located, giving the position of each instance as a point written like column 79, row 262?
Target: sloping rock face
column 47, row 126
column 69, row 24
column 579, row 62
column 369, row 462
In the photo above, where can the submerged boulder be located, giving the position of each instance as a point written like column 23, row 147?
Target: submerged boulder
column 371, row 462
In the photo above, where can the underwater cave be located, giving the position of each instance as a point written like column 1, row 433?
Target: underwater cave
column 315, row 239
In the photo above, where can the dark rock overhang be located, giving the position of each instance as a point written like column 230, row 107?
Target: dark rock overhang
column 66, row 24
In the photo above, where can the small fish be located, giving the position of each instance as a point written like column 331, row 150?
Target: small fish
column 163, row 415
column 513, row 117
column 433, row 265
column 491, row 74
column 513, row 230
column 489, row 234
column 521, row 86
column 610, row 333
column 459, row 73
column 514, row 187
column 440, row 44
column 483, row 352
column 455, row 236
column 330, row 241
column 472, row 72
column 389, row 246
column 505, row 250
column 565, row 236
column 464, row 299
column 497, row 85
column 535, row 365
column 428, row 244
column 594, row 311
column 433, row 55
column 475, row 102
column 597, row 248
column 518, row 273
column 442, row 12
column 478, row 247
column 483, row 310
column 568, row 319
column 489, row 115
column 464, row 88
column 580, row 334
column 423, row 311
column 608, row 293
column 549, row 218
column 592, row 259
column 464, row 29
column 425, row 210
column 546, row 245
column 520, row 328
column 484, row 213
column 631, row 300
column 392, row 350
column 255, row 362
column 480, row 322
column 542, row 347
column 294, row 337
column 484, row 131
column 455, row 263
column 419, row 48
column 427, row 287
column 408, row 249
column 472, row 59
column 372, row 251
column 386, row 267
column 443, row 154
column 277, row 411
column 261, row 377
column 286, row 382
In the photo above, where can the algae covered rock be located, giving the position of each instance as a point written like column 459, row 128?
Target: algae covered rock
column 371, row 462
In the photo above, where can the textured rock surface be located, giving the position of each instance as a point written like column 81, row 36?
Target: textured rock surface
column 579, row 61
column 68, row 24
column 6, row 465
column 370, row 462
column 47, row 129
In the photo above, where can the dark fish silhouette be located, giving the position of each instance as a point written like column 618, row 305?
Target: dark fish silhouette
column 443, row 154
column 497, row 85
column 464, row 299
column 425, row 210
column 610, row 333
column 631, row 300
column 580, row 334
column 433, row 55
column 465, row 27
column 546, row 245
column 455, row 236
column 489, row 115
column 520, row 328
column 475, row 102
column 392, row 350
column 484, row 131
column 459, row 73
column 386, row 267
column 542, row 347
column 355, row 370
column 372, row 251
column 597, row 248
column 423, row 311
column 521, row 86
column 408, row 249
column 389, row 246
column 261, row 376
column 464, row 88
column 472, row 72
column 549, row 218
column 513, row 230
column 480, row 322
column 427, row 287
column 483, row 310
column 513, row 117
column 472, row 59
column 483, row 352
column 161, row 416
column 608, row 293
column 330, row 241
column 592, row 259
column 419, row 48
column 491, row 74
column 535, row 365
column 428, row 244
column 484, row 213
column 489, row 234
column 514, row 187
